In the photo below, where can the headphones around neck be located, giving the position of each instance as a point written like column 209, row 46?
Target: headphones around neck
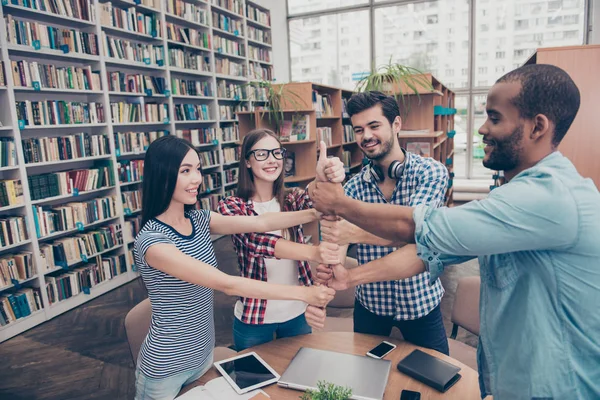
column 395, row 170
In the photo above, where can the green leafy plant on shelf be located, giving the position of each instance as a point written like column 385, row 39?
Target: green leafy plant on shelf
column 393, row 79
column 327, row 391
column 276, row 98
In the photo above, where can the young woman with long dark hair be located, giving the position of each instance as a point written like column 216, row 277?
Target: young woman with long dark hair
column 278, row 256
column 176, row 259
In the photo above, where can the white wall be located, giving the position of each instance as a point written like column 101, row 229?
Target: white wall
column 281, row 60
column 595, row 33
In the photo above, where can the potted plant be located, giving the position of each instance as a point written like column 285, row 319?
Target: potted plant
column 327, row 391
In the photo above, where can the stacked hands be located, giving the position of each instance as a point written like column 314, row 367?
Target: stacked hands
column 335, row 232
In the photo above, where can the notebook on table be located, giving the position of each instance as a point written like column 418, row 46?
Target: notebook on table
column 430, row 370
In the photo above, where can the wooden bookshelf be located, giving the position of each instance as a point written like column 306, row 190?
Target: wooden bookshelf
column 226, row 139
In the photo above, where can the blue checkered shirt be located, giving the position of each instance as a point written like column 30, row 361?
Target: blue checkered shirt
column 424, row 181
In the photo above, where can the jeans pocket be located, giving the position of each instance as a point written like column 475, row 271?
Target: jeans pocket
column 500, row 270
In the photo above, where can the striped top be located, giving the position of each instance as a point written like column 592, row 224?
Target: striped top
column 182, row 331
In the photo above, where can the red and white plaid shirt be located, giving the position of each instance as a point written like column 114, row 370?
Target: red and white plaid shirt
column 253, row 248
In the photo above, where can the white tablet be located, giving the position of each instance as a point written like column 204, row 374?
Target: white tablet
column 247, row 372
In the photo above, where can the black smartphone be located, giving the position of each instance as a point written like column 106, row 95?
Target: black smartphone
column 410, row 395
column 381, row 350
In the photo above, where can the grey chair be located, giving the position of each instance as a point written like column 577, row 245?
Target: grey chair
column 137, row 325
column 465, row 314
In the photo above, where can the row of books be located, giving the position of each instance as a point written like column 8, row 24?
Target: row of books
column 135, row 83
column 345, row 108
column 227, row 46
column 324, row 134
column 260, row 72
column 187, row 60
column 256, row 93
column 230, row 90
column 322, row 104
column 295, row 130
column 259, row 53
column 227, row 24
column 16, row 268
column 79, row 9
column 198, row 137
column 32, row 74
column 11, row 192
column 209, row 158
column 132, row 200
column 210, row 202
column 79, row 145
column 38, row 36
column 135, row 112
column 229, row 133
column 231, row 175
column 210, row 182
column 57, row 112
column 231, row 154
column 72, row 283
column 132, row 228
column 188, row 11
column 227, row 67
column 235, row 6
column 228, row 112
column 259, row 35
column 70, row 251
column 347, row 159
column 19, row 305
column 127, row 50
column 258, row 15
column 191, row 87
column 13, row 230
column 130, row 19
column 189, row 36
column 349, row 134
column 71, row 216
column 8, row 152
column 71, row 182
column 135, row 142
column 192, row 112
column 130, row 170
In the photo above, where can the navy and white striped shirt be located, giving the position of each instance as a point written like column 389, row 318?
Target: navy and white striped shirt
column 182, row 331
column 424, row 181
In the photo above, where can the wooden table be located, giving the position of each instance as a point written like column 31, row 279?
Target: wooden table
column 279, row 353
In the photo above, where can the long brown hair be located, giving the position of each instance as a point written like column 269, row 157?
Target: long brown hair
column 245, row 187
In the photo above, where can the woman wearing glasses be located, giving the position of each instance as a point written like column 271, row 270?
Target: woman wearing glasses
column 277, row 256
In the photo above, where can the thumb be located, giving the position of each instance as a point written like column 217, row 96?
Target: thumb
column 323, row 150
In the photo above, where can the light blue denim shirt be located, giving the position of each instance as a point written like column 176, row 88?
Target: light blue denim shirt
column 538, row 243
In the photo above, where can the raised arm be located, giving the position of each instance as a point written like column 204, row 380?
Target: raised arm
column 343, row 232
column 226, row 225
column 168, row 259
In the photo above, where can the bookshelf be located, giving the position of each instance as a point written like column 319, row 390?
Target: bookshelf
column 116, row 76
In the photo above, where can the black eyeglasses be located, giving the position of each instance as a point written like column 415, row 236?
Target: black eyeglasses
column 263, row 154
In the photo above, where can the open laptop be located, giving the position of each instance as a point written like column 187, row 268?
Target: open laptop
column 366, row 376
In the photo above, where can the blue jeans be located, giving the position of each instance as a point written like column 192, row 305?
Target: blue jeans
column 249, row 335
column 147, row 388
column 427, row 331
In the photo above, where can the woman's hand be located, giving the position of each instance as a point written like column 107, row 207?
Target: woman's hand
column 318, row 295
column 328, row 253
column 315, row 317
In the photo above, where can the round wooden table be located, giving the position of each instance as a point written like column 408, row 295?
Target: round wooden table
column 279, row 353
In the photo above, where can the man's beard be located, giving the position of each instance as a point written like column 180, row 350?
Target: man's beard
column 505, row 154
column 385, row 150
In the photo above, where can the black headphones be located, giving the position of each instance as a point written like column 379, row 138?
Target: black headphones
column 394, row 171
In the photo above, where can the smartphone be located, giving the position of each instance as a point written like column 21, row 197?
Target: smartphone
column 381, row 350
column 410, row 395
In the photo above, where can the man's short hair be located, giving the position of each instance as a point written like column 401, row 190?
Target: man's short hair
column 546, row 89
column 363, row 101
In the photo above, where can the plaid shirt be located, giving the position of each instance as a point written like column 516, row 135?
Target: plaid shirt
column 253, row 248
column 424, row 181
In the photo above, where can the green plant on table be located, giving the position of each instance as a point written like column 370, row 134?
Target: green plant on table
column 327, row 391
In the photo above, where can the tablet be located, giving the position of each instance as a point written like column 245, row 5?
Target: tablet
column 247, row 372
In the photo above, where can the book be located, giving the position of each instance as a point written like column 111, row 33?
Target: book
column 300, row 128
column 218, row 389
column 289, row 165
column 422, row 149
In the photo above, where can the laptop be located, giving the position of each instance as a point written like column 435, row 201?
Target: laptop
column 366, row 376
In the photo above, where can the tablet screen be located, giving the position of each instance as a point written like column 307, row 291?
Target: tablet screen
column 246, row 371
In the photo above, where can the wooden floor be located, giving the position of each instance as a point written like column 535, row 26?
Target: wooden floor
column 83, row 354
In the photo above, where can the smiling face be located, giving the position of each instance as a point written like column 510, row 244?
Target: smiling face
column 503, row 130
column 189, row 179
column 269, row 169
column 374, row 134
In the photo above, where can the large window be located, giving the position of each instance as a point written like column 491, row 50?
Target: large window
column 330, row 49
column 334, row 47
